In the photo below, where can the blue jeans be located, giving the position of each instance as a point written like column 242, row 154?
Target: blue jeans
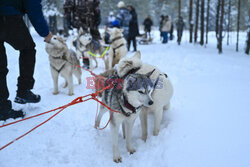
column 165, row 37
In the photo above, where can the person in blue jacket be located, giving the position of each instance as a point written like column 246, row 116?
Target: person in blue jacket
column 14, row 32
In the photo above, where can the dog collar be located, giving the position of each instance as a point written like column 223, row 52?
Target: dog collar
column 115, row 39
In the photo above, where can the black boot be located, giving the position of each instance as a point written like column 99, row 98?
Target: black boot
column 27, row 96
column 10, row 113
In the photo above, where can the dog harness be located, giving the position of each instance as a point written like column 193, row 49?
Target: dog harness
column 63, row 57
column 115, row 39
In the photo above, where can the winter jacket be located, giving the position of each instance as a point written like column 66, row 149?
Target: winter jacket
column 166, row 25
column 83, row 13
column 31, row 7
column 147, row 24
column 124, row 18
column 180, row 25
column 133, row 25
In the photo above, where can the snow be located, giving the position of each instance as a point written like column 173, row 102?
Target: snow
column 207, row 124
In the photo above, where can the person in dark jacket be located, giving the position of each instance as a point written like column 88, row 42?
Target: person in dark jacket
column 14, row 32
column 133, row 28
column 180, row 26
column 160, row 26
column 84, row 14
column 124, row 17
column 147, row 26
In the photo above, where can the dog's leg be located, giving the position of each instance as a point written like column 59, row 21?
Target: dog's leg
column 99, row 117
column 65, row 84
column 78, row 75
column 124, row 130
column 158, row 117
column 70, row 82
column 144, row 124
column 129, row 127
column 110, row 59
column 96, row 63
column 55, row 75
column 115, row 130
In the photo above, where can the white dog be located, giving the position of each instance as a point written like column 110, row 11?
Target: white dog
column 118, row 47
column 64, row 62
column 162, row 93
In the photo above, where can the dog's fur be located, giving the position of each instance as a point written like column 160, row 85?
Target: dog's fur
column 136, row 92
column 84, row 43
column 160, row 95
column 118, row 47
column 64, row 62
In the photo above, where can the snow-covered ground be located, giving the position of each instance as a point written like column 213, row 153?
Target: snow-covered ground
column 206, row 126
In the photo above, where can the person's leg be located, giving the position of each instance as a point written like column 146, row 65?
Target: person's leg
column 134, row 44
column 166, row 37
column 164, row 34
column 18, row 36
column 4, row 93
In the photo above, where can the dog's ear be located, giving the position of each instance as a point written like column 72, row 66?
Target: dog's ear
column 150, row 73
column 137, row 55
column 80, row 32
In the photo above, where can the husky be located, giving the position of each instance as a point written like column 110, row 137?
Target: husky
column 85, row 44
column 161, row 94
column 128, row 98
column 118, row 47
column 64, row 62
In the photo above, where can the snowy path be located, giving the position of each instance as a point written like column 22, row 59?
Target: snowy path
column 206, row 126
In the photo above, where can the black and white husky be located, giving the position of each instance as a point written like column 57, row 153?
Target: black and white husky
column 151, row 91
column 130, row 93
column 84, row 44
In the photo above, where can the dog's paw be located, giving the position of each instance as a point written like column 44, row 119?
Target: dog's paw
column 118, row 159
column 156, row 132
column 55, row 93
column 132, row 151
column 144, row 138
column 71, row 94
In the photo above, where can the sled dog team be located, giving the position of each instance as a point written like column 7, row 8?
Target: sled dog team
column 145, row 89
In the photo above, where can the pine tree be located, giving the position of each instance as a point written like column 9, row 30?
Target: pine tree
column 179, row 8
column 191, row 24
column 229, row 20
column 217, row 17
column 202, row 21
column 196, row 21
column 221, row 27
column 238, row 27
column 207, row 22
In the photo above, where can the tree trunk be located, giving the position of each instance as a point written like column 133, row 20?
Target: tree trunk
column 238, row 26
column 221, row 27
column 248, row 41
column 196, row 21
column 202, row 21
column 191, row 24
column 229, row 21
column 217, row 17
column 207, row 26
column 179, row 8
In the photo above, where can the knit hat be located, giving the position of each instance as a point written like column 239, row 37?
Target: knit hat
column 121, row 4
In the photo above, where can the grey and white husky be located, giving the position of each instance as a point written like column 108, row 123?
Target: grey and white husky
column 84, row 44
column 64, row 62
column 130, row 93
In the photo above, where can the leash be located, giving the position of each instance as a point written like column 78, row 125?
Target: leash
column 75, row 101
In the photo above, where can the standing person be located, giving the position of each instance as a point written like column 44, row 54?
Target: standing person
column 166, row 27
column 171, row 36
column 85, row 14
column 133, row 28
column 124, row 18
column 160, row 26
column 180, row 26
column 147, row 26
column 14, row 31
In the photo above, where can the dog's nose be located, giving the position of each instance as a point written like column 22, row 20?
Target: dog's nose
column 150, row 102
